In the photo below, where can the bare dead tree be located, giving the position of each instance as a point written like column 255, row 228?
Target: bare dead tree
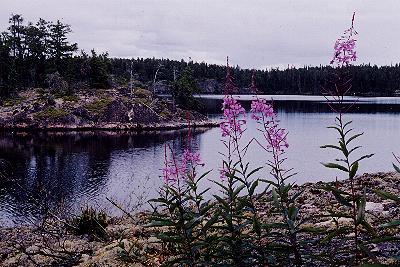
column 155, row 76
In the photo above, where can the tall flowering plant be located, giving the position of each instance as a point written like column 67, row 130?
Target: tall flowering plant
column 184, row 210
column 353, row 202
column 237, row 206
column 275, row 144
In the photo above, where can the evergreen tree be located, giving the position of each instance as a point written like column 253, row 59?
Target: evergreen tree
column 184, row 89
column 98, row 70
column 59, row 46
column 5, row 51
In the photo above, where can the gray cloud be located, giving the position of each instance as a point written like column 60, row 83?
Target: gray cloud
column 253, row 33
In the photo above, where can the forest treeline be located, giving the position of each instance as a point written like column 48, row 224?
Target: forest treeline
column 40, row 54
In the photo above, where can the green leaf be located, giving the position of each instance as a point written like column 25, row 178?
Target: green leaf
column 333, row 234
column 387, row 195
column 222, row 201
column 344, row 148
column 383, row 239
column 292, row 212
column 312, row 229
column 396, row 168
column 353, row 137
column 393, row 223
column 336, row 128
column 331, row 188
column 353, row 170
column 354, row 148
column 346, row 124
column 220, row 185
column 211, row 222
column 254, row 171
column 204, row 175
column 253, row 187
column 193, row 222
column 361, row 208
column 275, row 198
column 342, row 200
column 237, row 191
column 369, row 228
column 363, row 157
column 331, row 146
column 295, row 196
column 335, row 166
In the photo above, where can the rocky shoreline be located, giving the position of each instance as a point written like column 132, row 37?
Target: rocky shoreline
column 113, row 127
column 33, row 246
column 117, row 109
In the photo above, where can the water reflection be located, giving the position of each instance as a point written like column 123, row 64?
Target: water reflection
column 213, row 106
column 66, row 170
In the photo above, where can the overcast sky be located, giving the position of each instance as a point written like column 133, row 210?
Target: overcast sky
column 255, row 34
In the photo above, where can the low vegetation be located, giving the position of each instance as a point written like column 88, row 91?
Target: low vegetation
column 90, row 222
column 98, row 106
column 50, row 113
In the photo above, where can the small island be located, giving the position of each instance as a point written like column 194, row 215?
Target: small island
column 103, row 109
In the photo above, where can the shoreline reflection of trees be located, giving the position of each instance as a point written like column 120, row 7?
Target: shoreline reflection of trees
column 213, row 106
column 51, row 170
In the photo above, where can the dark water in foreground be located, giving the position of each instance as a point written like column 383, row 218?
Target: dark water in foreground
column 71, row 170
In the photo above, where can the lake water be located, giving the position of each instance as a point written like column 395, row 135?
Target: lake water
column 71, row 170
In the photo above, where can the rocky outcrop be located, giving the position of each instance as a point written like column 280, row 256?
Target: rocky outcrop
column 210, row 86
column 113, row 109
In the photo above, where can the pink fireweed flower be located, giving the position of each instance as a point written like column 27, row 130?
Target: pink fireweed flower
column 171, row 169
column 233, row 119
column 223, row 171
column 174, row 170
column 189, row 160
column 344, row 52
column 276, row 137
column 261, row 106
column 344, row 48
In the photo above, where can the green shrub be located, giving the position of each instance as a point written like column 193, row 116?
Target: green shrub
column 50, row 113
column 12, row 102
column 98, row 106
column 70, row 98
column 142, row 93
column 90, row 222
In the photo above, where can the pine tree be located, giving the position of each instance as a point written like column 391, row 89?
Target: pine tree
column 184, row 89
column 59, row 46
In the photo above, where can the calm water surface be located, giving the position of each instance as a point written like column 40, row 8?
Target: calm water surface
column 76, row 169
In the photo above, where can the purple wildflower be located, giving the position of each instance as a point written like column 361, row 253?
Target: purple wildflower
column 189, row 159
column 261, row 106
column 171, row 169
column 232, row 122
column 276, row 137
column 174, row 170
column 344, row 48
column 263, row 112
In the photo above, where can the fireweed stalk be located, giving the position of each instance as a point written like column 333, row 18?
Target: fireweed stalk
column 231, row 204
column 238, row 206
column 344, row 55
column 184, row 210
column 275, row 144
column 396, row 167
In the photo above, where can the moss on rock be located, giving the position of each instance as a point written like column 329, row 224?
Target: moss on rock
column 50, row 113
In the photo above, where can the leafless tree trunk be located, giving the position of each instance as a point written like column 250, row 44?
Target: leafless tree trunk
column 155, row 77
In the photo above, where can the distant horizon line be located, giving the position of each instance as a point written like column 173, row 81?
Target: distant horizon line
column 271, row 67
